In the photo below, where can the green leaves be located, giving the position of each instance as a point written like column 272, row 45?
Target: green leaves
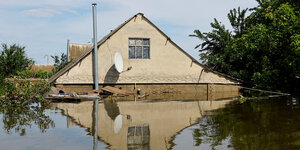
column 59, row 63
column 213, row 42
column 237, row 20
column 264, row 49
column 23, row 92
column 13, row 60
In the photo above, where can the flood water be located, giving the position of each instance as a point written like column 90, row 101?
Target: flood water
column 157, row 125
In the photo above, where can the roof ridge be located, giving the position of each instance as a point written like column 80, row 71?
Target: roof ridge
column 100, row 42
column 72, row 64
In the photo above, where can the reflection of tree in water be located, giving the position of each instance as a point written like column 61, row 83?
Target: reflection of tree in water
column 112, row 109
column 21, row 117
column 264, row 124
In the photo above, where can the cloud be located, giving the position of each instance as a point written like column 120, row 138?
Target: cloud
column 46, row 12
column 41, row 12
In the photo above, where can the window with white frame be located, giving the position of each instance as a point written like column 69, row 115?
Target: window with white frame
column 139, row 48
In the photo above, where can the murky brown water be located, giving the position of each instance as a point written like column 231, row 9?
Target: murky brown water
column 156, row 125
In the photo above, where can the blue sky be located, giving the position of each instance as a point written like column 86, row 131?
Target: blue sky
column 43, row 26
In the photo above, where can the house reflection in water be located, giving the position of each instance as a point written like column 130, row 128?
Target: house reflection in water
column 139, row 125
column 138, row 137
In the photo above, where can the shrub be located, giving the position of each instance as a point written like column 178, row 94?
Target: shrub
column 23, row 92
column 32, row 74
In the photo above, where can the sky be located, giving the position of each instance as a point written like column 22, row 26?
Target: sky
column 44, row 26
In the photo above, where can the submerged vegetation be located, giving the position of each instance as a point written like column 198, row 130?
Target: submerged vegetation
column 22, row 105
column 263, row 48
column 243, row 99
column 23, row 92
column 15, row 87
column 19, row 85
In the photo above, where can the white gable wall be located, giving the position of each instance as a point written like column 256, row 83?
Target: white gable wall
column 167, row 63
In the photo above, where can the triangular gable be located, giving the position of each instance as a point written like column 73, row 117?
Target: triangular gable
column 75, row 62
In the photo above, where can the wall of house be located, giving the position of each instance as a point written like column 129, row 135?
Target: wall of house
column 167, row 63
column 166, row 91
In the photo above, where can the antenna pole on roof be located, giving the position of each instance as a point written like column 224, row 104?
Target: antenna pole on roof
column 95, row 52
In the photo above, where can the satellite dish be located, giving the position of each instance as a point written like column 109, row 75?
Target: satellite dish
column 118, row 124
column 118, row 62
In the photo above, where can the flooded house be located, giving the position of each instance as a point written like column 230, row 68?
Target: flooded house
column 152, row 62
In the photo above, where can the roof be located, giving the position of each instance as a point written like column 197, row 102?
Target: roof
column 76, row 61
column 76, row 50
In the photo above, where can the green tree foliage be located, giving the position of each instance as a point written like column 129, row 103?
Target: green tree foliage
column 263, row 49
column 26, row 74
column 13, row 60
column 23, row 92
column 59, row 62
column 214, row 42
column 237, row 20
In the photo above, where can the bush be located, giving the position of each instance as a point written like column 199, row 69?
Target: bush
column 23, row 92
column 32, row 74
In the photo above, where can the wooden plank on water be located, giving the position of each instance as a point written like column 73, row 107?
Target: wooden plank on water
column 116, row 91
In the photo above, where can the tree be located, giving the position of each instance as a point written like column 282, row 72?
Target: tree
column 12, row 60
column 238, row 20
column 59, row 62
column 213, row 46
column 264, row 49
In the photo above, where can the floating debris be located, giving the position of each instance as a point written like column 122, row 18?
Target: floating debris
column 117, row 91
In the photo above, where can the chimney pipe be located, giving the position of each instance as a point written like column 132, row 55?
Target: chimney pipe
column 95, row 52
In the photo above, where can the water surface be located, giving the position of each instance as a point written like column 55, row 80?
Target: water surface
column 259, row 124
column 132, row 125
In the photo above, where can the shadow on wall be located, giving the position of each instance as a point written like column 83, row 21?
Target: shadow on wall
column 203, row 70
column 112, row 75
